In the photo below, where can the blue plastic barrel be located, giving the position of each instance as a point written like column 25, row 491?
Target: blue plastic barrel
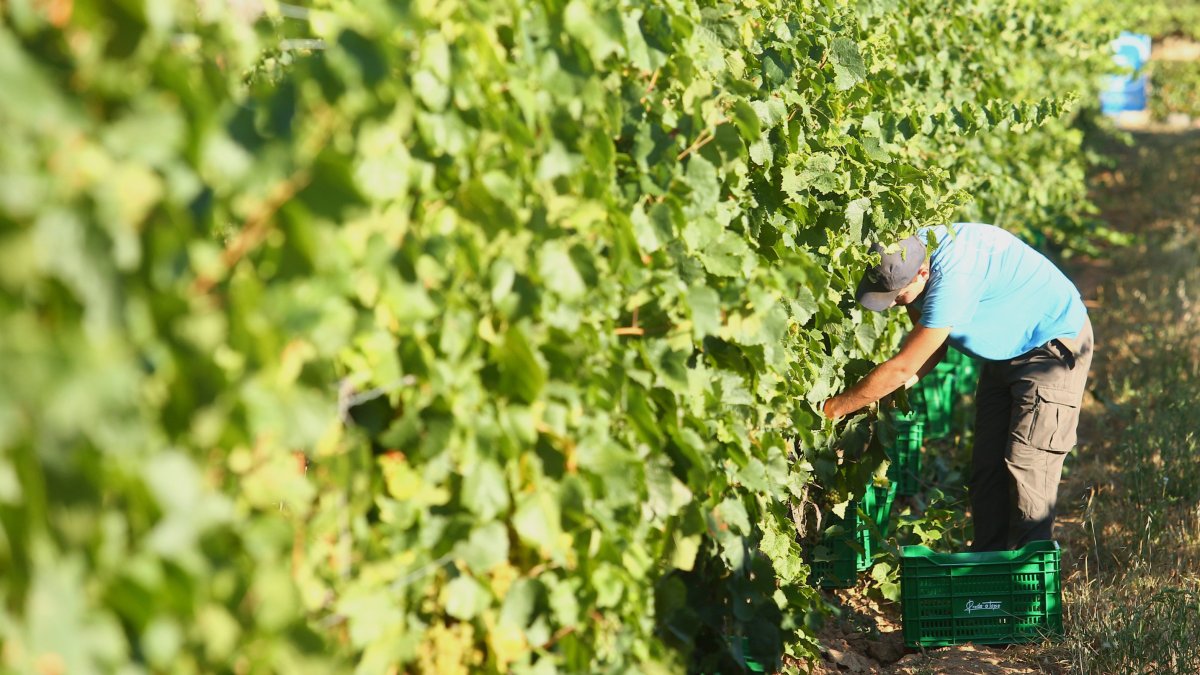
column 1126, row 92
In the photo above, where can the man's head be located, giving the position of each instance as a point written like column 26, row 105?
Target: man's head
column 899, row 277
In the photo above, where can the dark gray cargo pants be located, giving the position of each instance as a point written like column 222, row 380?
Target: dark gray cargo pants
column 1027, row 410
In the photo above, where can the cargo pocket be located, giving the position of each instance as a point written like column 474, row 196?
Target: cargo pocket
column 1055, row 418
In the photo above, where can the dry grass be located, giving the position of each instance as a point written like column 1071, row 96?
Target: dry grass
column 1132, row 523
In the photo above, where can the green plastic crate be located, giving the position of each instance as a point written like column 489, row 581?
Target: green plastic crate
column 904, row 452
column 865, row 552
column 966, row 372
column 835, row 560
column 934, row 398
column 753, row 664
column 949, row 364
column 999, row 597
column 740, row 646
column 877, row 506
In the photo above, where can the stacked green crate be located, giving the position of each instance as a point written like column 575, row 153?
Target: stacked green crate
column 966, row 379
column 877, row 508
column 966, row 372
column 903, row 437
column 934, row 397
column 865, row 549
column 741, row 647
column 848, row 543
column 835, row 559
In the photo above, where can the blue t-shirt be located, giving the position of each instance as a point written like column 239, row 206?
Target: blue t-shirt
column 999, row 296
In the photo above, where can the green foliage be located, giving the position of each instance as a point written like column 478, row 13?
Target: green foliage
column 1175, row 88
column 491, row 336
column 1156, row 19
column 1163, row 18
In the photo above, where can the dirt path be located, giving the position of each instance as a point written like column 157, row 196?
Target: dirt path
column 1145, row 324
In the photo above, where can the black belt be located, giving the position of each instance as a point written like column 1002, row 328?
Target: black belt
column 1062, row 351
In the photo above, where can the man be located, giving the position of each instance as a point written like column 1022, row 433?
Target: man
column 986, row 293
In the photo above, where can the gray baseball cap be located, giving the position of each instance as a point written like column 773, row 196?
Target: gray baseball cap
column 898, row 266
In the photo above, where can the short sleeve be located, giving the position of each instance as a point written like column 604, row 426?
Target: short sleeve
column 951, row 299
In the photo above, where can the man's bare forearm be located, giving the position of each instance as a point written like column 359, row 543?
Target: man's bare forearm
column 919, row 348
column 883, row 380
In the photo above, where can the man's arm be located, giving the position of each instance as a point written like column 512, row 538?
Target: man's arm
column 914, row 315
column 923, row 346
column 932, row 362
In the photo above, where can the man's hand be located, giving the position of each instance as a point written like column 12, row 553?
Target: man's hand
column 833, row 407
column 829, row 409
